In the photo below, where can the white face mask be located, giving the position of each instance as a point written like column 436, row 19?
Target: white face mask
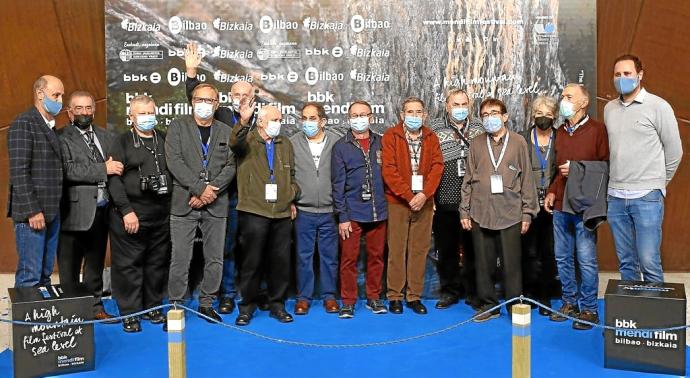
column 203, row 110
column 236, row 105
column 272, row 129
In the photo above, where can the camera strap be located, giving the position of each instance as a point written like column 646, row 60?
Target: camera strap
column 138, row 141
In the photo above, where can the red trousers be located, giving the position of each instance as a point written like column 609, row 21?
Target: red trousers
column 374, row 234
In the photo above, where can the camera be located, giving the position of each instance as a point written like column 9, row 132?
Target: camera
column 154, row 183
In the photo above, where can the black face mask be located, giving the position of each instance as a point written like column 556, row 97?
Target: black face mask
column 83, row 121
column 544, row 123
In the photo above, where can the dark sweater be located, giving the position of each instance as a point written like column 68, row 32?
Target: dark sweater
column 125, row 191
column 588, row 143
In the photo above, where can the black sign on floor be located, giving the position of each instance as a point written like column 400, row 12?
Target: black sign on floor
column 634, row 306
column 40, row 350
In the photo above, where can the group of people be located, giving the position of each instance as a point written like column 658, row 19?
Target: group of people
column 526, row 205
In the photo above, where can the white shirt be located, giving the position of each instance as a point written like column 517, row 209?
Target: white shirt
column 51, row 123
column 316, row 149
column 95, row 139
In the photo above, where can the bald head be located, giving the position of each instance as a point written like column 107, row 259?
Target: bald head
column 50, row 86
column 241, row 91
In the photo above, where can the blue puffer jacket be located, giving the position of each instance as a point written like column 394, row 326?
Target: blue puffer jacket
column 348, row 173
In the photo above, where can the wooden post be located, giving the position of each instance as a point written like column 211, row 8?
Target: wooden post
column 177, row 361
column 521, row 340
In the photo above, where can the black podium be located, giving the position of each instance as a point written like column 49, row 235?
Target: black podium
column 55, row 349
column 637, row 305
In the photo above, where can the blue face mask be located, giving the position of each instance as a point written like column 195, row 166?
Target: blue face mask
column 567, row 109
column 413, row 123
column 459, row 114
column 310, row 128
column 492, row 124
column 51, row 106
column 359, row 124
column 146, row 122
column 626, row 85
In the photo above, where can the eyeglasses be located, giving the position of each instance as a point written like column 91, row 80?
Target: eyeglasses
column 80, row 109
column 366, row 115
column 205, row 100
column 493, row 113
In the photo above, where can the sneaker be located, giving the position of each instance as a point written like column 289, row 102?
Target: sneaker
column 567, row 309
column 376, row 306
column 482, row 315
column 586, row 315
column 347, row 312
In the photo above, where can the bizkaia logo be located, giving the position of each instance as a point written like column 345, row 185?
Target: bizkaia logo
column 221, row 53
column 314, row 24
column 175, row 76
column 224, row 77
column 368, row 76
column 131, row 26
column 367, row 52
column 313, row 76
column 335, row 52
column 290, row 77
column 268, row 24
column 177, row 25
column 221, row 25
column 126, row 55
column 153, row 78
column 359, row 24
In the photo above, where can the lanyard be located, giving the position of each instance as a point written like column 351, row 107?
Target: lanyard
column 270, row 152
column 460, row 134
column 415, row 151
column 542, row 160
column 234, row 118
column 204, row 148
column 491, row 151
column 367, row 161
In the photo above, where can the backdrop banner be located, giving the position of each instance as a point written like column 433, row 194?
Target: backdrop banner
column 336, row 51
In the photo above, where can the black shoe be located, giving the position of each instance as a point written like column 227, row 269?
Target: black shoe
column 542, row 310
column 211, row 313
column 395, row 307
column 347, row 312
column 586, row 315
column 155, row 316
column 131, row 325
column 226, row 305
column 282, row 316
column 243, row 319
column 417, row 306
column 482, row 315
column 446, row 301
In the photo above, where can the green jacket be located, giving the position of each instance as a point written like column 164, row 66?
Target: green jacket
column 253, row 173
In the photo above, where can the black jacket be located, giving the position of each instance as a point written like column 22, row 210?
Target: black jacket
column 585, row 191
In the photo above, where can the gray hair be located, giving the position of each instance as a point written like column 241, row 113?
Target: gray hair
column 550, row 103
column 454, row 91
column 139, row 99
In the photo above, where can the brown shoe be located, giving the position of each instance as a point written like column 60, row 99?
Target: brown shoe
column 331, row 306
column 301, row 308
column 102, row 315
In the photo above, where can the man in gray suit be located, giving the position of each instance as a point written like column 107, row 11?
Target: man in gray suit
column 199, row 158
column 87, row 164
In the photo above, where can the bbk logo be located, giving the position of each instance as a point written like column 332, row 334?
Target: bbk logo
column 177, row 25
column 180, row 52
column 625, row 323
column 314, row 24
column 128, row 25
column 359, row 24
column 153, row 78
column 320, row 97
column 267, row 24
column 313, row 76
column 368, row 77
column 336, row 52
column 232, row 26
column 220, row 52
column 362, row 52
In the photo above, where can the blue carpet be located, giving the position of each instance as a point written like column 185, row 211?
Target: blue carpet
column 473, row 350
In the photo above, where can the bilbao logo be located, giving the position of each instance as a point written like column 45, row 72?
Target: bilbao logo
column 358, row 24
column 313, row 76
column 176, row 25
column 128, row 25
column 267, row 24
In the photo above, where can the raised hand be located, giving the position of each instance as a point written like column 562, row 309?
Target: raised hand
column 192, row 59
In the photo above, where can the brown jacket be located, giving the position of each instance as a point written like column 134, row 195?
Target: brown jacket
column 397, row 169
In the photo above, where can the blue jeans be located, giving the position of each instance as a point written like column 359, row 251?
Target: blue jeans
column 227, row 286
column 309, row 227
column 36, row 251
column 571, row 238
column 636, row 228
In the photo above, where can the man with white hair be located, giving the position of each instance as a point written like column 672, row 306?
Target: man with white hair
column 266, row 191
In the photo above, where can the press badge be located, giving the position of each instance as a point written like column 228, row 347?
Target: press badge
column 417, row 183
column 496, row 184
column 271, row 192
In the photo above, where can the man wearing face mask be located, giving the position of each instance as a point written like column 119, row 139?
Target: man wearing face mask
column 498, row 203
column 580, row 138
column 454, row 130
column 361, row 208
column 88, row 162
column 140, row 217
column 315, row 220
column 35, row 156
column 202, row 166
column 538, row 261
column 412, row 169
column 241, row 92
column 267, row 188
column 646, row 150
